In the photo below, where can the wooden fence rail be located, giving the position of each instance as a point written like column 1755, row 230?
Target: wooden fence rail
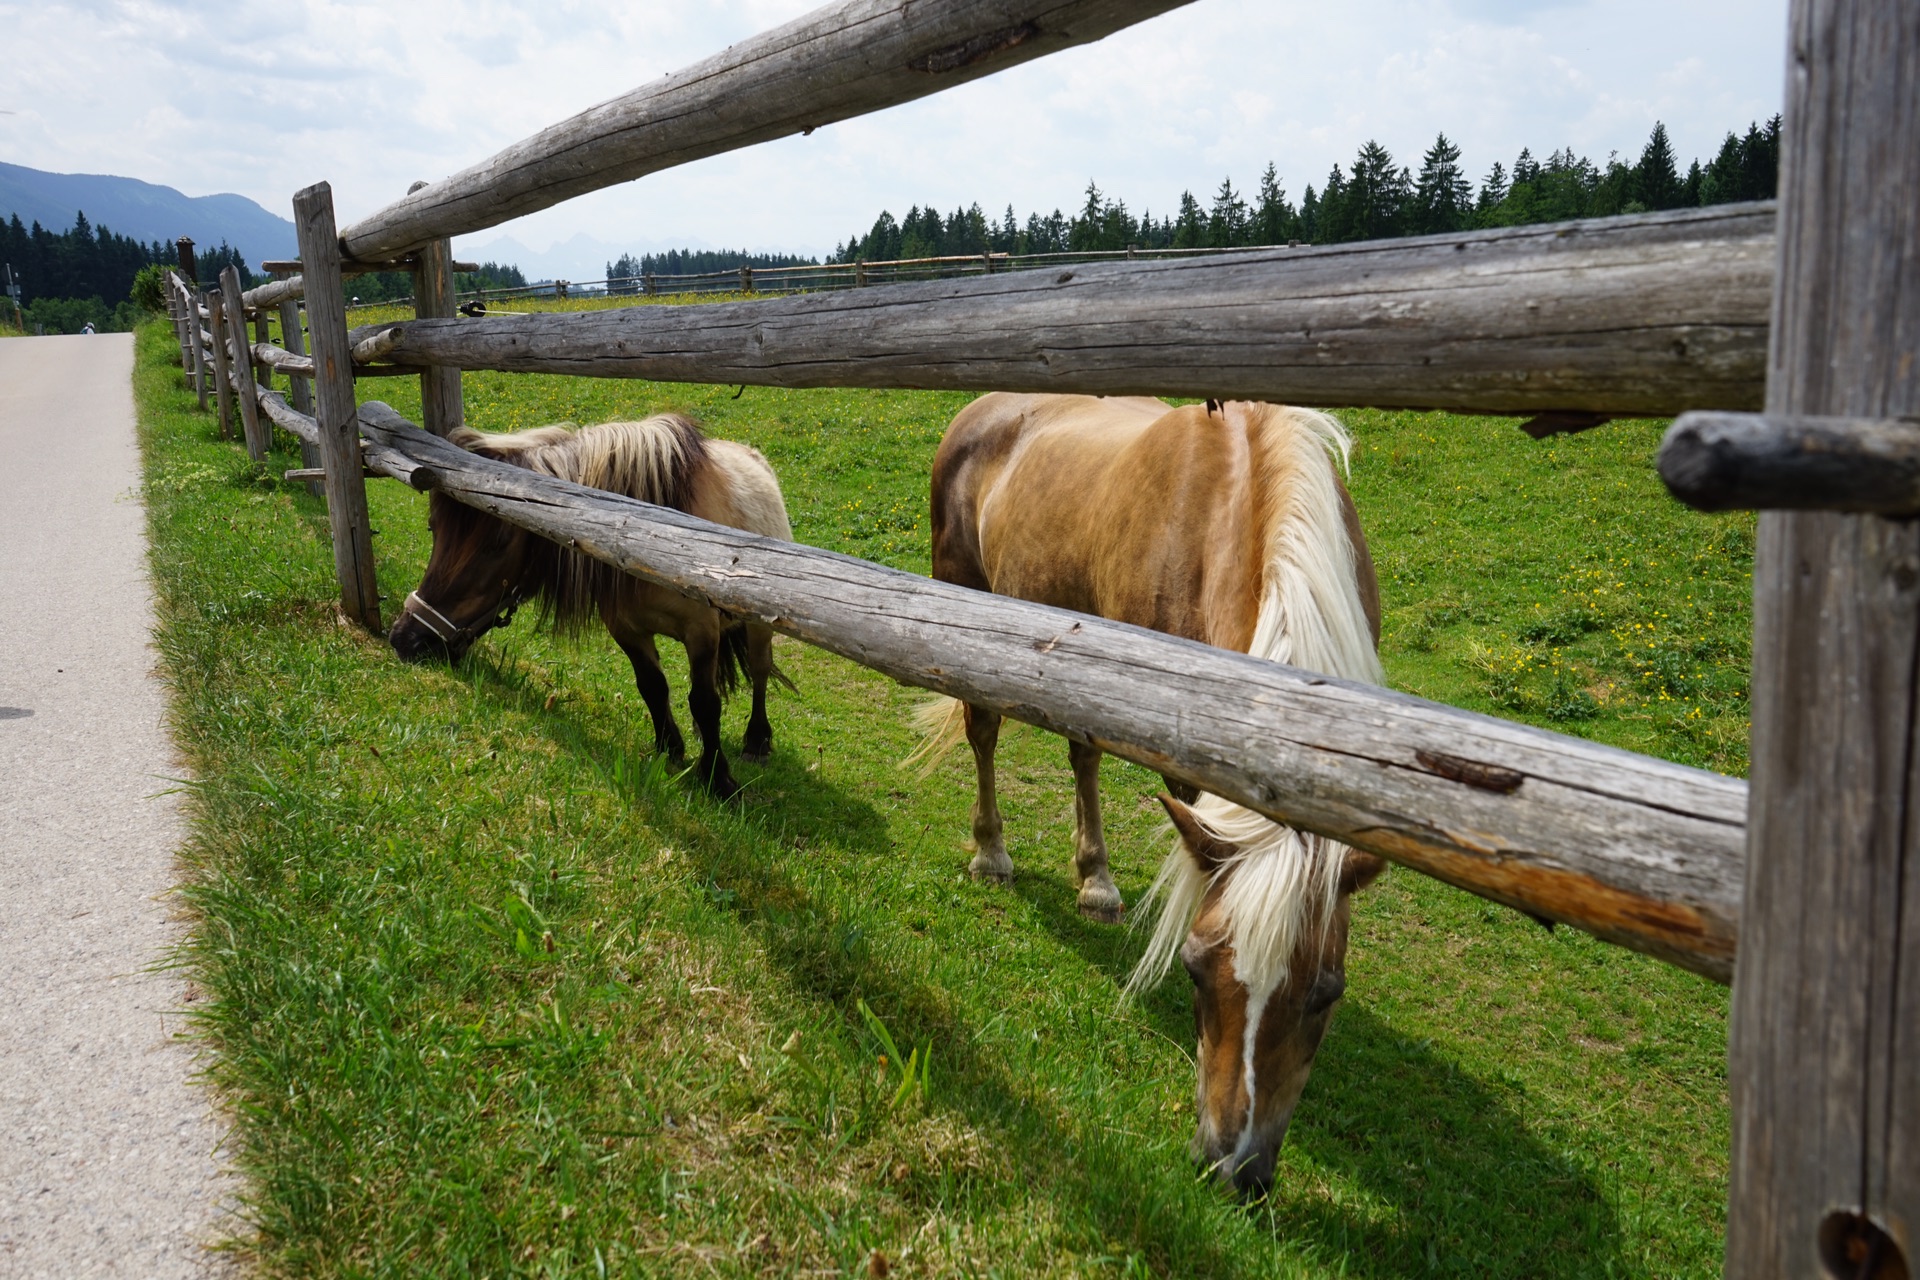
column 1635, row 850
column 1647, row 315
column 839, row 61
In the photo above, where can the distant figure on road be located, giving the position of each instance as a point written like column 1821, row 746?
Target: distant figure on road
column 87, row 328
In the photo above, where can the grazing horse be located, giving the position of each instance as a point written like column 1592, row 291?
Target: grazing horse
column 1226, row 524
column 482, row 568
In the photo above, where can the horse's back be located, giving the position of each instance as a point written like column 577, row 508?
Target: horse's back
column 1125, row 508
column 741, row 491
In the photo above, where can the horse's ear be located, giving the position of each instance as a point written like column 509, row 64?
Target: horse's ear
column 1359, row 870
column 1207, row 851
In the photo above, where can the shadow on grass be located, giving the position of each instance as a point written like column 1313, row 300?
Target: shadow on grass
column 1448, row 1175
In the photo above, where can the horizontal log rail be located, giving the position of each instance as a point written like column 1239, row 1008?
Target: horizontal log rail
column 281, row 360
column 1634, row 850
column 1752, row 462
column 842, row 60
column 1648, row 315
column 293, row 288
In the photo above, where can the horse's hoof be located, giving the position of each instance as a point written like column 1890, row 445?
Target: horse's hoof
column 756, row 756
column 1104, row 909
column 991, row 870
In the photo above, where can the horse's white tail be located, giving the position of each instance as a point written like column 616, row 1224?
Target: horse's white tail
column 942, row 726
column 1284, row 882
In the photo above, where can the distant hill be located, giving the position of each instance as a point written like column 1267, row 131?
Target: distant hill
column 143, row 211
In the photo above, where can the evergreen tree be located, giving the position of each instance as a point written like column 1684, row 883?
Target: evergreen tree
column 1493, row 192
column 1228, row 222
column 1190, row 225
column 1377, row 196
column 1442, row 198
column 1656, row 178
column 1274, row 220
column 1310, row 215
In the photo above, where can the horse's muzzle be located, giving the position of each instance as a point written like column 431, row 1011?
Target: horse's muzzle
column 412, row 641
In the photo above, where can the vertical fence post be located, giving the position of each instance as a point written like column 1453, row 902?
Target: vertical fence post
column 299, row 390
column 440, row 406
column 195, row 327
column 177, row 307
column 263, row 333
column 217, row 345
column 183, row 252
column 240, row 362
column 650, row 285
column 860, row 274
column 1824, row 1051
column 336, row 409
column 746, row 279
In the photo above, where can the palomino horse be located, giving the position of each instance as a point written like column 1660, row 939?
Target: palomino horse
column 482, row 568
column 1226, row 524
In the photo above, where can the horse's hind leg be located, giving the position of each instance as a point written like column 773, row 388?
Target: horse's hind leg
column 757, row 745
column 652, row 683
column 1099, row 898
column 990, row 860
column 703, row 700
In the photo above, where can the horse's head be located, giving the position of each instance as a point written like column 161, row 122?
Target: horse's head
column 1266, row 949
column 475, row 579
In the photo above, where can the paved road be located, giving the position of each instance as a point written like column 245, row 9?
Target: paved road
column 108, row 1160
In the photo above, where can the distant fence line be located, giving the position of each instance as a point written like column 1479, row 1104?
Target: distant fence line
column 811, row 277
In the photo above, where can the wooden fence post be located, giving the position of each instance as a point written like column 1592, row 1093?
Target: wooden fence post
column 240, row 363
column 263, row 333
column 336, row 412
column 650, row 286
column 299, row 390
column 1825, row 1040
column 194, row 329
column 746, row 279
column 441, row 409
column 217, row 344
column 183, row 252
column 177, row 308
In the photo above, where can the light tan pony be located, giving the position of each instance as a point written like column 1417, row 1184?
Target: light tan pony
column 482, row 568
column 1227, row 524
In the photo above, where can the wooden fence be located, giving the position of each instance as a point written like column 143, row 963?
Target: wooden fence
column 1808, row 312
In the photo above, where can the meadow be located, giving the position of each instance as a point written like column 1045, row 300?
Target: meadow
column 496, row 992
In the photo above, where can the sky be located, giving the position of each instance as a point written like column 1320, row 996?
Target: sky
column 211, row 96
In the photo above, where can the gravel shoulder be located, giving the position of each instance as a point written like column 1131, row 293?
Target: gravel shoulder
column 112, row 1165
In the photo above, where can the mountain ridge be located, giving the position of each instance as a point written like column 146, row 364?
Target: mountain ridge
column 144, row 211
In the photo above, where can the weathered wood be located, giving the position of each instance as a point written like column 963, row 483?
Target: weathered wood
column 1824, row 1053
column 1651, row 314
column 198, row 346
column 300, row 425
column 339, row 436
column 272, row 357
column 1751, row 462
column 262, row 333
column 276, row 292
column 841, row 60
column 1635, row 850
column 441, row 410
column 240, row 368
column 183, row 254
column 300, row 383
column 375, row 345
column 215, row 337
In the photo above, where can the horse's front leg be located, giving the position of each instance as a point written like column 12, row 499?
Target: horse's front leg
column 1099, row 898
column 652, row 683
column 757, row 745
column 990, row 860
column 703, row 701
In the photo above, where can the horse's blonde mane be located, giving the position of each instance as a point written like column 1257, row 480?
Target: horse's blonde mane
column 655, row 460
column 1279, row 885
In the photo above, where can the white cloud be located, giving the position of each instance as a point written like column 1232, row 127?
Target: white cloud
column 225, row 96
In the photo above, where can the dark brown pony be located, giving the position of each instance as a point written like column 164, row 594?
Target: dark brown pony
column 483, row 568
column 1226, row 524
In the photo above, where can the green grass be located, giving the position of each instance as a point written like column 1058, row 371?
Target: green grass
column 496, row 994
